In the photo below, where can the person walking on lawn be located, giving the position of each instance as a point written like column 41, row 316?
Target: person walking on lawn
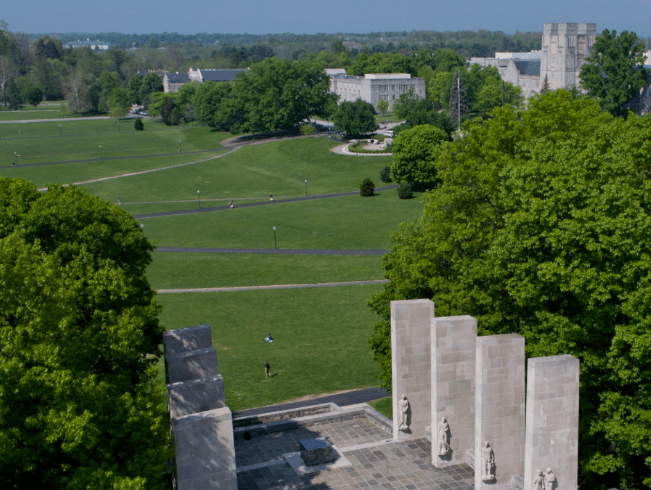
column 267, row 367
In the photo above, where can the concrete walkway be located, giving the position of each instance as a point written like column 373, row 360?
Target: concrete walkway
column 254, row 204
column 277, row 286
column 270, row 251
column 27, row 121
column 341, row 399
column 343, row 150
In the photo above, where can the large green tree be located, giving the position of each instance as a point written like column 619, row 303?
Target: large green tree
column 355, row 118
column 614, row 72
column 150, row 83
column 79, row 343
column 119, row 102
column 415, row 152
column 528, row 243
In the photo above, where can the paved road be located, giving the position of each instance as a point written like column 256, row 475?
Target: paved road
column 253, row 204
column 342, row 399
column 277, row 286
column 270, row 251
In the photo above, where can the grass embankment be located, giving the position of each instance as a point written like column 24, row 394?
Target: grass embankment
column 384, row 406
column 320, row 341
column 280, row 168
column 191, row 270
column 351, row 222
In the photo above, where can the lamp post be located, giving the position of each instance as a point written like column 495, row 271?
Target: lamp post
column 275, row 242
column 60, row 132
column 199, row 198
column 142, row 228
column 118, row 126
column 306, row 188
column 180, row 147
column 16, row 157
column 101, row 151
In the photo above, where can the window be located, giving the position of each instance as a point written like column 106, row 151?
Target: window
column 384, row 97
column 403, row 88
column 383, row 88
column 394, row 96
column 393, row 87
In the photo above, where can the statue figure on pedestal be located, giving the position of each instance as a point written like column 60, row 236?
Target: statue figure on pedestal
column 403, row 407
column 487, row 463
column 444, row 437
column 538, row 481
column 549, row 479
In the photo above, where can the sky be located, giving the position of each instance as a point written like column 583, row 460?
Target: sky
column 309, row 16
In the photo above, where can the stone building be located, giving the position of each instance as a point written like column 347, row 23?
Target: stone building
column 374, row 87
column 173, row 81
column 564, row 49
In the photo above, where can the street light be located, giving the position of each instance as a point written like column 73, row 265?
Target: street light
column 60, row 133
column 275, row 242
column 102, row 151
column 180, row 147
column 199, row 198
column 16, row 157
column 118, row 126
column 142, row 228
column 306, row 188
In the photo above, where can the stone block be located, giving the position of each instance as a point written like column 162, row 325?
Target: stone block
column 192, row 365
column 316, row 451
column 411, row 366
column 201, row 395
column 187, row 339
column 499, row 410
column 205, row 451
column 453, row 388
column 552, row 436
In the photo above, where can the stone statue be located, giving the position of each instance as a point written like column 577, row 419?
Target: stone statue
column 488, row 463
column 403, row 407
column 444, row 437
column 549, row 479
column 538, row 481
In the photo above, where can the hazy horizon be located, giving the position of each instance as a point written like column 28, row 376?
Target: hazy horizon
column 337, row 16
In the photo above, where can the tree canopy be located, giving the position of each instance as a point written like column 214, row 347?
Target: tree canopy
column 415, row 152
column 355, row 118
column 79, row 345
column 614, row 72
column 542, row 226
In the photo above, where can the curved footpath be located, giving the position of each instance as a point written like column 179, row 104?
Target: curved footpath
column 343, row 150
column 275, row 286
column 253, row 204
column 27, row 121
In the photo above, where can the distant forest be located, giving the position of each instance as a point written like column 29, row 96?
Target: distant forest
column 288, row 46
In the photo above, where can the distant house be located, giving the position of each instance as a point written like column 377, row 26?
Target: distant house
column 202, row 76
column 101, row 45
column 173, row 81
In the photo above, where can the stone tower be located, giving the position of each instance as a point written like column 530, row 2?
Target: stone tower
column 564, row 47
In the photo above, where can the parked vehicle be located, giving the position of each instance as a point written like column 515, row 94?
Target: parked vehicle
column 388, row 133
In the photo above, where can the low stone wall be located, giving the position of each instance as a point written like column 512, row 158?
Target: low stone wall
column 283, row 415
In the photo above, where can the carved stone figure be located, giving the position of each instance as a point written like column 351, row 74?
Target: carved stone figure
column 549, row 479
column 403, row 406
column 538, row 481
column 488, row 463
column 444, row 437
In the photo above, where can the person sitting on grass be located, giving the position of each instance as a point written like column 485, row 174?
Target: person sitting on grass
column 269, row 338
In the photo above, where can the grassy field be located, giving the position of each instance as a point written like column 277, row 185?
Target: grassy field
column 253, row 171
column 82, row 140
column 320, row 340
column 381, row 118
column 351, row 222
column 192, row 270
column 68, row 173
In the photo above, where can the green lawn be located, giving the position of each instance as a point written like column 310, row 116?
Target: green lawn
column 82, row 140
column 351, row 222
column 320, row 340
column 391, row 117
column 192, row 270
column 384, row 406
column 67, row 173
column 253, row 171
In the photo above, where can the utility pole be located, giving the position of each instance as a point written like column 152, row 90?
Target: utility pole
column 459, row 99
column 502, row 93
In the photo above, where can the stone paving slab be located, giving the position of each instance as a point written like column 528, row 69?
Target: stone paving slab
column 271, row 447
column 397, row 466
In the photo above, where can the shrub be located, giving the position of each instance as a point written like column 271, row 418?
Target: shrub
column 385, row 174
column 404, row 191
column 138, row 124
column 367, row 188
column 307, row 129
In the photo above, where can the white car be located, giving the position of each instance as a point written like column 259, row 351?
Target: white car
column 388, row 133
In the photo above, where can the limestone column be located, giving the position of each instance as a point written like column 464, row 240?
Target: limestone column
column 453, row 388
column 410, row 363
column 552, row 438
column 499, row 411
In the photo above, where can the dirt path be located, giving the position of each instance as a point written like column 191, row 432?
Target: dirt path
column 276, row 286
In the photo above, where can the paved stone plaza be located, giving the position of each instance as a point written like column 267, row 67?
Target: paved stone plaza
column 376, row 465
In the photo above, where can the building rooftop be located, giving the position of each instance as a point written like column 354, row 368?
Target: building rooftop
column 221, row 75
column 387, row 76
column 177, row 77
column 528, row 67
